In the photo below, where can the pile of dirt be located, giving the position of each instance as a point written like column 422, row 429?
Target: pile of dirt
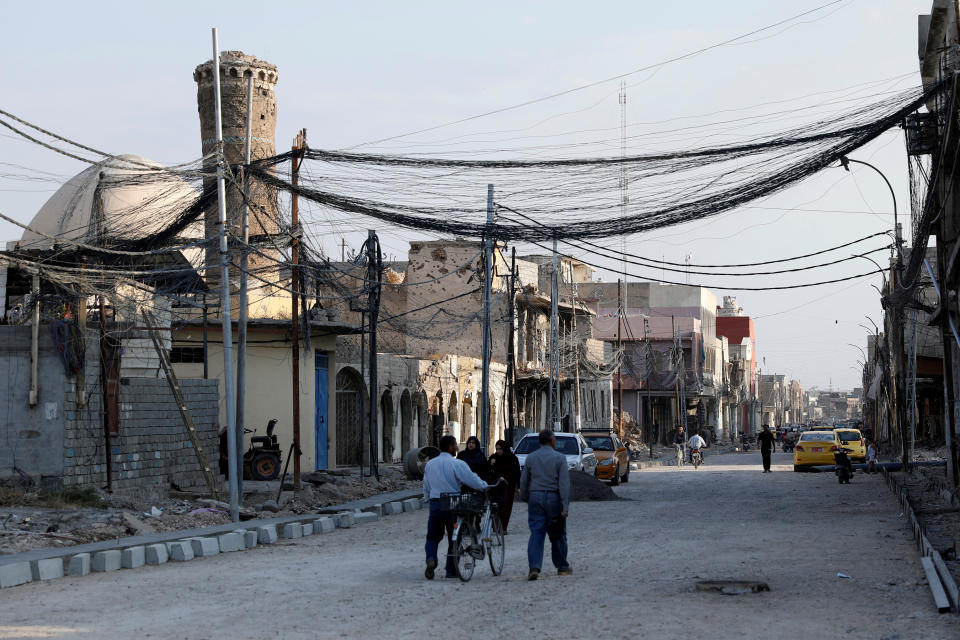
column 584, row 487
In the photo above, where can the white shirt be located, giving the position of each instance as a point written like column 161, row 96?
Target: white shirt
column 445, row 474
column 696, row 442
column 871, row 454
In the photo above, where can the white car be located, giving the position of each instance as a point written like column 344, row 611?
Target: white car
column 579, row 455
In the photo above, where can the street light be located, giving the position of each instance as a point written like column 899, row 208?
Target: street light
column 858, row 347
column 845, row 163
column 876, row 328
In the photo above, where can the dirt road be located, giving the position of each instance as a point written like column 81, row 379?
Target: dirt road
column 635, row 562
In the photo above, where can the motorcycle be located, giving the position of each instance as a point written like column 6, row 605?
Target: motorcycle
column 842, row 466
column 697, row 457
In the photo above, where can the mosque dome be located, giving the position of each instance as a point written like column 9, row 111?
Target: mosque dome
column 121, row 198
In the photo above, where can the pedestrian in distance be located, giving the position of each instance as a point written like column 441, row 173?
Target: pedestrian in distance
column 768, row 444
column 473, row 455
column 680, row 438
column 871, row 457
column 504, row 465
column 545, row 486
column 444, row 474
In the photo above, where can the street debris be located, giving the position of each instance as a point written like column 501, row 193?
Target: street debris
column 732, row 587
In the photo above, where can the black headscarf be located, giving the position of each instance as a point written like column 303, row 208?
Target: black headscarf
column 505, row 465
column 475, row 458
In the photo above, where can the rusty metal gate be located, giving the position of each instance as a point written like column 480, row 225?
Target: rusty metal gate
column 348, row 417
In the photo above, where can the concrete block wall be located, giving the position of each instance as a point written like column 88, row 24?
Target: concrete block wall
column 151, row 448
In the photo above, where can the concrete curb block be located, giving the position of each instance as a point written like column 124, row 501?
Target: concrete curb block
column 292, row 530
column 249, row 538
column 133, row 557
column 364, row 518
column 267, row 534
column 107, row 560
column 392, row 508
column 345, row 520
column 79, row 565
column 46, row 569
column 156, row 554
column 180, row 551
column 13, row 575
column 374, row 508
column 203, row 547
column 324, row 525
column 231, row 542
column 307, row 528
column 412, row 504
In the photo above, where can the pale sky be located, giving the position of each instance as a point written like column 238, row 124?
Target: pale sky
column 118, row 76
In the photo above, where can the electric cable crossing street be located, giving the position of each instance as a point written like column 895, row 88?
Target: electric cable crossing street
column 535, row 312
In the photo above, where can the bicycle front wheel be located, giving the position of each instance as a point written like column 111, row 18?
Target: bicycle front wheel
column 495, row 547
column 465, row 562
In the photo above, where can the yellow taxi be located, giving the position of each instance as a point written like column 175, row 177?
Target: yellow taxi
column 613, row 459
column 814, row 448
column 852, row 439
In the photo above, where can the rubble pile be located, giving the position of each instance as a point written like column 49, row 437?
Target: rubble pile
column 29, row 520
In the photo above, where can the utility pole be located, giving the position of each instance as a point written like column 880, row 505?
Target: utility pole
column 243, row 302
column 363, row 379
column 373, row 308
column 555, row 344
column 576, row 359
column 299, row 147
column 620, row 349
column 648, row 414
column 225, row 313
column 485, row 340
column 511, row 351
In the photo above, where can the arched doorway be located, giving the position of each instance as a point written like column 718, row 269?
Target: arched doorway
column 388, row 416
column 453, row 410
column 406, row 423
column 350, row 393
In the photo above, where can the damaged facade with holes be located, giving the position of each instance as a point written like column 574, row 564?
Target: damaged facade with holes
column 429, row 333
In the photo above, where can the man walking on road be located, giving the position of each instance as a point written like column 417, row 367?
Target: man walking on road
column 767, row 442
column 444, row 474
column 545, row 486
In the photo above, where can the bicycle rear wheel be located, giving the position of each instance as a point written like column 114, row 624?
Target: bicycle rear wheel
column 495, row 547
column 465, row 562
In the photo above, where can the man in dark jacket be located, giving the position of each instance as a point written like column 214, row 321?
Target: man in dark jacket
column 545, row 486
column 768, row 444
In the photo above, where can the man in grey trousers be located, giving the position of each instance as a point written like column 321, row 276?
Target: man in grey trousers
column 545, row 486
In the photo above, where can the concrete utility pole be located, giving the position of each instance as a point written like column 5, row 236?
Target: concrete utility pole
column 225, row 313
column 555, row 344
column 511, row 351
column 488, row 271
column 243, row 302
column 373, row 308
column 648, row 370
column 298, row 148
column 576, row 360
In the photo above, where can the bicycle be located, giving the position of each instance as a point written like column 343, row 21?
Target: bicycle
column 470, row 543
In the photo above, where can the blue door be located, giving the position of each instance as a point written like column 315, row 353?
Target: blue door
column 321, row 378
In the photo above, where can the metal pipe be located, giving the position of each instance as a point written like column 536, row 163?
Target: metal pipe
column 225, row 313
column 242, row 302
column 35, row 344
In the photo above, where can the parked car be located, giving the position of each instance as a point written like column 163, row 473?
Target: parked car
column 815, row 447
column 613, row 459
column 852, row 439
column 579, row 454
